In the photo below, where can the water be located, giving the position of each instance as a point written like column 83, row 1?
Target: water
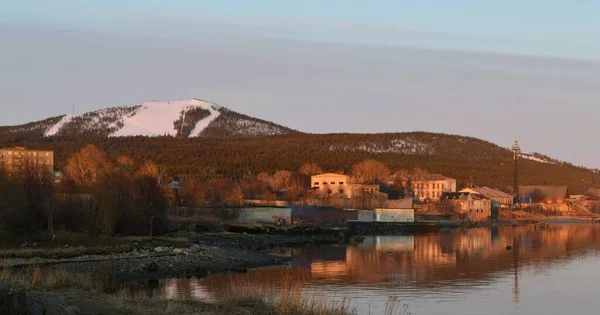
column 468, row 271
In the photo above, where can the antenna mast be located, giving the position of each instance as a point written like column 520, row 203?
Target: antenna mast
column 516, row 155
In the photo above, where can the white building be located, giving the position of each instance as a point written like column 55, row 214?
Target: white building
column 432, row 186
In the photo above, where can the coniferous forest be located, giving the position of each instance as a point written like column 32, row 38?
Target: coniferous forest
column 471, row 161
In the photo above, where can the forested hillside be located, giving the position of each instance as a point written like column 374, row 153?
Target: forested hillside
column 470, row 160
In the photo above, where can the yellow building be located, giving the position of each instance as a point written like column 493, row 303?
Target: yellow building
column 339, row 184
column 15, row 159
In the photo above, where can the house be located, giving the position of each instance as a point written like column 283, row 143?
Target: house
column 503, row 199
column 15, row 159
column 432, row 186
column 469, row 206
column 544, row 194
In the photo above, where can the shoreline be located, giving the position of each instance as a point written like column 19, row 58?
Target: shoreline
column 218, row 251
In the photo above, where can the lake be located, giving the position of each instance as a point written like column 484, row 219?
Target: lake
column 497, row 270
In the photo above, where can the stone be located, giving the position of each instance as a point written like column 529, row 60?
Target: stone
column 17, row 300
column 178, row 251
column 73, row 309
column 160, row 249
column 36, row 308
column 152, row 267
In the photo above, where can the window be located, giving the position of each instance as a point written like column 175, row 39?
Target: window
column 316, row 183
column 341, row 183
column 332, row 183
column 341, row 191
column 324, row 183
column 329, row 191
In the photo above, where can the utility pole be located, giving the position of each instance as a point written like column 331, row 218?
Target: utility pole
column 73, row 111
column 516, row 155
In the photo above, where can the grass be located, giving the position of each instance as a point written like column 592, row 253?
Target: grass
column 288, row 299
column 101, row 296
column 83, row 244
column 51, row 279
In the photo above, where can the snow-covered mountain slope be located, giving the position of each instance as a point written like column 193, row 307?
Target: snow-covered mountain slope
column 179, row 118
column 160, row 118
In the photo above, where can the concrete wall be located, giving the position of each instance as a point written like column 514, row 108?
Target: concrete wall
column 246, row 215
column 320, row 216
column 394, row 215
column 264, row 215
column 366, row 215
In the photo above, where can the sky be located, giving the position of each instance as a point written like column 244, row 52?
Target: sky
column 496, row 70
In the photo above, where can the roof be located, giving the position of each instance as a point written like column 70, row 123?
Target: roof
column 461, row 196
column 328, row 174
column 434, row 177
column 549, row 192
column 488, row 192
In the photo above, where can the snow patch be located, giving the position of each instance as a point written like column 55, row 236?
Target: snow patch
column 156, row 118
column 203, row 123
column 401, row 146
column 536, row 159
column 56, row 128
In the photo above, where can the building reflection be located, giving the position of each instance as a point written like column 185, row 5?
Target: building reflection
column 453, row 257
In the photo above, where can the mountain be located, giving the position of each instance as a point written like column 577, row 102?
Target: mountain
column 180, row 118
column 195, row 138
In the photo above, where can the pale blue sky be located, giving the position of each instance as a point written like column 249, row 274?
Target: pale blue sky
column 496, row 70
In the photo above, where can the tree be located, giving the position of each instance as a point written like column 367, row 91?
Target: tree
column 419, row 174
column 310, row 169
column 281, row 179
column 114, row 197
column 87, row 166
column 370, row 171
column 537, row 195
column 151, row 169
column 235, row 197
column 125, row 162
column 149, row 202
column 266, row 178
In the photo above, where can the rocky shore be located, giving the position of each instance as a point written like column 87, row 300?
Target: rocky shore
column 205, row 254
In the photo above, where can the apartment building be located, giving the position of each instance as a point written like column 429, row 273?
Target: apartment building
column 15, row 159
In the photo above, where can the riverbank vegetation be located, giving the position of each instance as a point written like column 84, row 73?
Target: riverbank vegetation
column 103, row 296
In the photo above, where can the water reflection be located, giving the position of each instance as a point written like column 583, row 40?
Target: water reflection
column 436, row 273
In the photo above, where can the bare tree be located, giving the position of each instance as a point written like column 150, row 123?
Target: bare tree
column 235, row 197
column 370, row 171
column 151, row 169
column 125, row 161
column 419, row 174
column 282, row 179
column 310, row 169
column 266, row 178
column 87, row 166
